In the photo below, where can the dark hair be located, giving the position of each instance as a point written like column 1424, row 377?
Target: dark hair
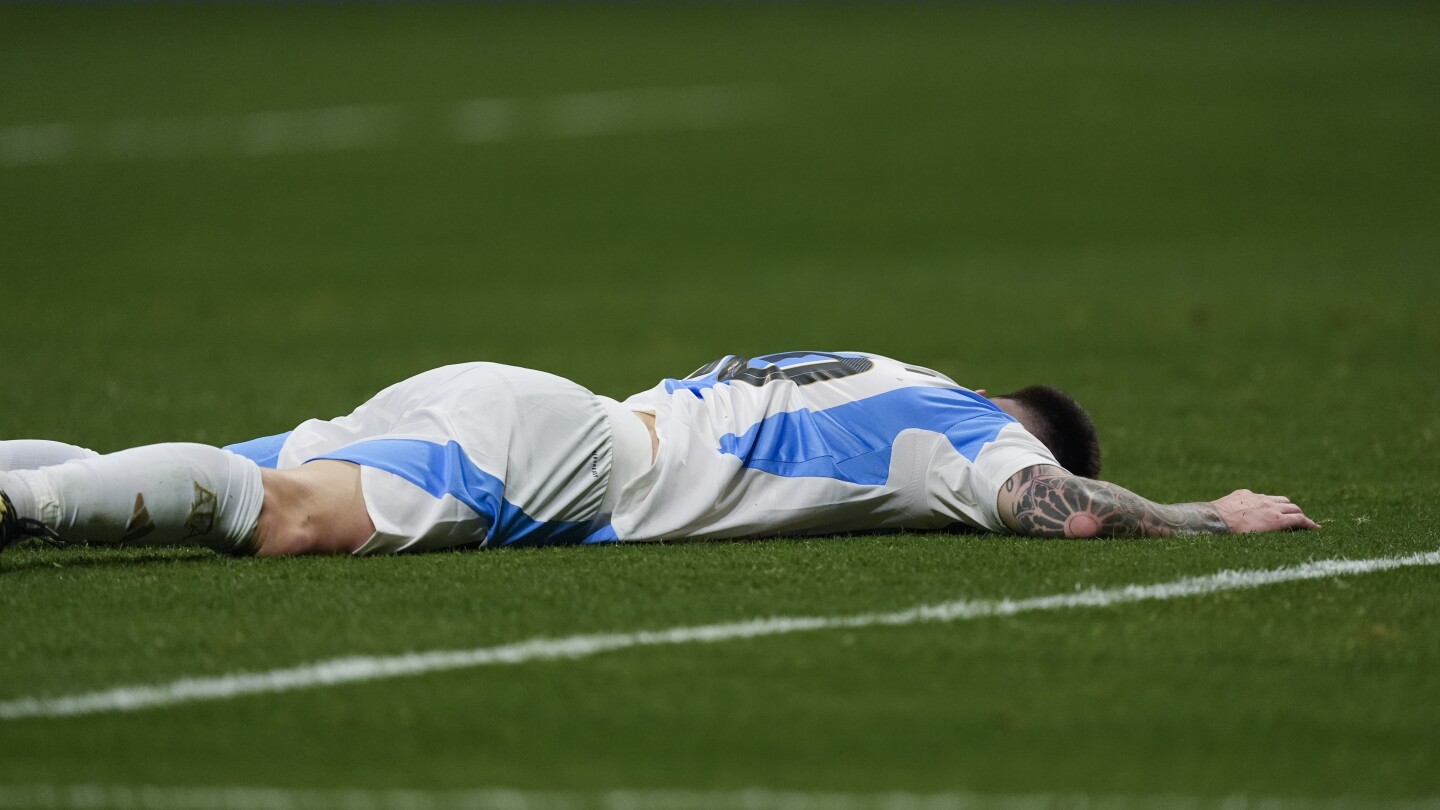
column 1061, row 425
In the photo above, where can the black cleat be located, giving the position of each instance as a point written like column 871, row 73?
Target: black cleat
column 14, row 528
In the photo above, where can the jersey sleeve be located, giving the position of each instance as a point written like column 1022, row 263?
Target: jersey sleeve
column 973, row 493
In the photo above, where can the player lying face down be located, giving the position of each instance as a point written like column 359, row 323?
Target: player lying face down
column 481, row 454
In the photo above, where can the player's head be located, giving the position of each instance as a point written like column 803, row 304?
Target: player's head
column 1059, row 423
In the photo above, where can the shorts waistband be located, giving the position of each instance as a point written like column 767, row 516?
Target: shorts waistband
column 629, row 450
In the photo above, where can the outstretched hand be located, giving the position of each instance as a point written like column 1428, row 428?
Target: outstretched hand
column 1246, row 511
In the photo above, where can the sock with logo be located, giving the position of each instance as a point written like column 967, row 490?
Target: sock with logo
column 162, row 494
column 31, row 454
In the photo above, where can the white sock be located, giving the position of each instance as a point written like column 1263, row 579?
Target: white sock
column 163, row 494
column 32, row 454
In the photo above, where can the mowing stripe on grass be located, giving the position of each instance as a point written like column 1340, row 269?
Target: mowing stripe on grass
column 356, row 669
column 118, row 797
column 374, row 126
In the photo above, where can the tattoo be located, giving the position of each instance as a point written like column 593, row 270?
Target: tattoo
column 1050, row 502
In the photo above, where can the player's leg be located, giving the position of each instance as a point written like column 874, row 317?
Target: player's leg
column 32, row 454
column 164, row 494
column 193, row 494
column 316, row 508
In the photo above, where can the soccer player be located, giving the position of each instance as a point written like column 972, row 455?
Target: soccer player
column 481, row 454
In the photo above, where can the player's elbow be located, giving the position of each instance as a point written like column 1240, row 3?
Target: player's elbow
column 1074, row 527
column 1083, row 526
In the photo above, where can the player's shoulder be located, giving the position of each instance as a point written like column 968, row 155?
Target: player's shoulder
column 903, row 367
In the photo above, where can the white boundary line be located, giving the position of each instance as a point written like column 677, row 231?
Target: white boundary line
column 377, row 126
column 118, row 797
column 358, row 669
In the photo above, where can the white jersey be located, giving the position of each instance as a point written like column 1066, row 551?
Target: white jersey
column 820, row 442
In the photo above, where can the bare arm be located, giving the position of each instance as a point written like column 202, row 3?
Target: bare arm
column 1047, row 501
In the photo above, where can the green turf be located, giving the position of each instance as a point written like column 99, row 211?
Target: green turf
column 1215, row 225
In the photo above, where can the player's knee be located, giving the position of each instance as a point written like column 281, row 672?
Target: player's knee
column 283, row 528
column 283, row 535
column 302, row 514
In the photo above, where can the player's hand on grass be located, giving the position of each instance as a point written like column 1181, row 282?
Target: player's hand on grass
column 1046, row 501
column 1246, row 511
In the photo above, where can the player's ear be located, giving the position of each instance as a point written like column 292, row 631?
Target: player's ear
column 982, row 392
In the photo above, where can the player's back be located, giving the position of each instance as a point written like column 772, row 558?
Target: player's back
column 820, row 442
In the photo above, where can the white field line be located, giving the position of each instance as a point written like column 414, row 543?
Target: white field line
column 337, row 129
column 114, row 797
column 357, row 669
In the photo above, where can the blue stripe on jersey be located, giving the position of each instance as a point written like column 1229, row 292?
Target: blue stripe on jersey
column 444, row 469
column 264, row 451
column 853, row 442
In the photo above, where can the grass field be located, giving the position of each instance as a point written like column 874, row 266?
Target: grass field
column 1215, row 225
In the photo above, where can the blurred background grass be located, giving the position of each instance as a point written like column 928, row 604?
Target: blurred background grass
column 1154, row 202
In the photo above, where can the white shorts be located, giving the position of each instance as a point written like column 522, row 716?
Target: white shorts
column 477, row 454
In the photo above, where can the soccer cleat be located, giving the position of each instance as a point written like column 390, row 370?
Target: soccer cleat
column 14, row 528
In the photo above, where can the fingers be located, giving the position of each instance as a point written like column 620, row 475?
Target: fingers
column 1274, row 514
column 1249, row 511
column 1292, row 518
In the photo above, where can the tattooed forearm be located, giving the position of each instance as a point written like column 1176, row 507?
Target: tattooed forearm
column 1050, row 502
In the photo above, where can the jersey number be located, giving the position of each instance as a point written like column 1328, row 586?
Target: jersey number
column 738, row 369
